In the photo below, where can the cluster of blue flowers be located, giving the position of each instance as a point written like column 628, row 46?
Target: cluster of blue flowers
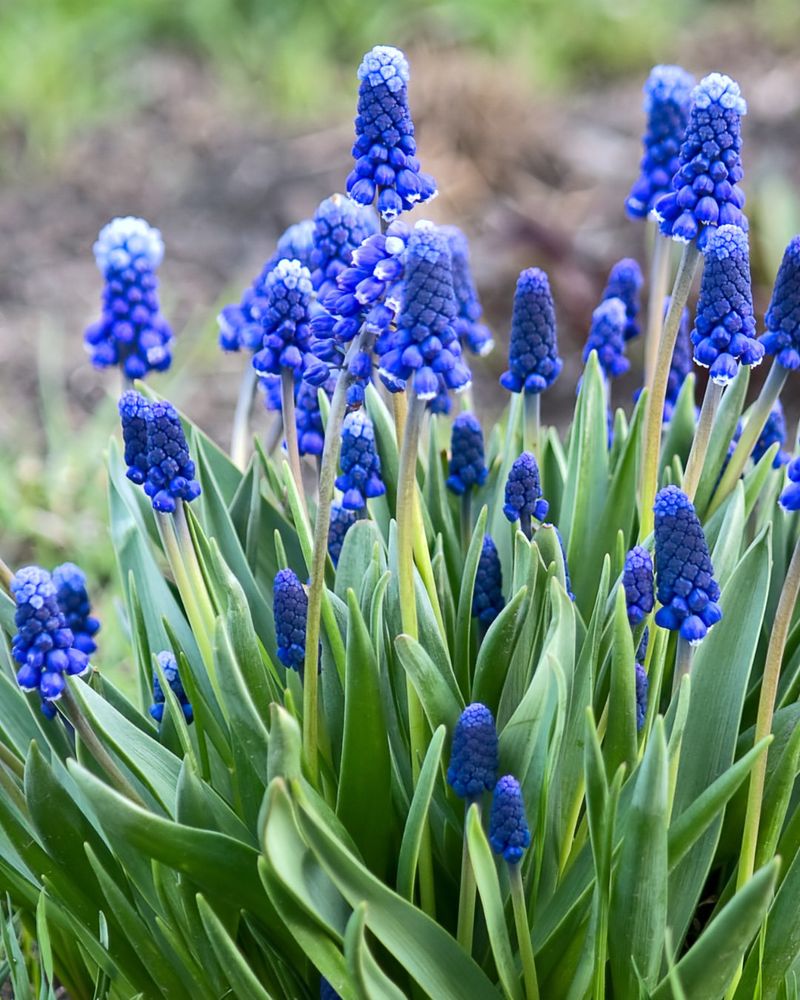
column 342, row 519
column 625, row 282
column 783, row 316
column 361, row 465
column 607, row 337
column 637, row 579
column 73, row 601
column 523, row 496
column 467, row 462
column 533, row 362
column 472, row 334
column 790, row 498
column 774, row 432
column 169, row 667
column 290, row 609
column 487, row 595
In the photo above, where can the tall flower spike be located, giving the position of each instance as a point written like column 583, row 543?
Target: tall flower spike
column 340, row 226
column 509, row 834
column 783, row 316
column 472, row 334
column 424, row 347
column 360, row 462
column 169, row 667
column 170, row 471
column 467, row 462
column 473, row 758
column 74, row 604
column 686, row 585
column 705, row 187
column 385, row 149
column 790, row 498
column 637, row 579
column 667, row 96
column 133, row 410
column 625, row 282
column 240, row 325
column 774, row 430
column 533, row 361
column 290, row 608
column 724, row 331
column 487, row 596
column 131, row 332
column 523, row 496
column 607, row 337
column 43, row 644
column 642, row 687
column 342, row 520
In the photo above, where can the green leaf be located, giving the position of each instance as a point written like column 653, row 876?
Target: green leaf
column 620, row 743
column 438, row 694
column 681, row 428
column 418, row 815
column 496, row 650
column 464, row 613
column 356, row 557
column 244, row 984
column 730, row 409
column 371, row 981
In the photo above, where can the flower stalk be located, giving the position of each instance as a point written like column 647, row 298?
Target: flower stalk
column 523, row 932
column 240, row 435
column 697, row 456
column 659, row 287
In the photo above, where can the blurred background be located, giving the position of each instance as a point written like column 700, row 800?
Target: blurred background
column 222, row 121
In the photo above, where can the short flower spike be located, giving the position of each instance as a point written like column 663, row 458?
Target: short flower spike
column 684, row 574
column 625, row 282
column 133, row 410
column 74, row 604
column 169, row 666
column 340, row 226
column 290, row 608
column 509, row 834
column 342, row 520
column 533, row 361
column 360, row 462
column 637, row 579
column 170, row 470
column 642, row 686
column 473, row 335
column 705, row 189
column 607, row 337
column 386, row 165
column 523, row 496
column 308, row 416
column 467, row 463
column 667, row 96
column 487, row 595
column 473, row 758
column 131, row 332
column 774, row 431
column 783, row 316
column 724, row 332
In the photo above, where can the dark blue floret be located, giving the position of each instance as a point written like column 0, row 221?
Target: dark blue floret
column 487, row 597
column 774, row 431
column 724, row 332
column 360, row 462
column 523, row 496
column 607, row 337
column 472, row 334
column 625, row 282
column 290, row 608
column 705, row 189
column 43, row 644
column 467, row 463
column 170, row 471
column 385, row 150
column 567, row 581
column 473, row 758
column 340, row 226
column 326, row 991
column 73, row 601
column 508, row 826
column 240, row 325
column 783, row 316
column 131, row 332
column 641, row 652
column 169, row 667
column 667, row 96
column 637, row 579
column 133, row 410
column 686, row 585
column 790, row 498
column 642, row 685
column 308, row 416
column 533, row 361
column 424, row 347
column 342, row 520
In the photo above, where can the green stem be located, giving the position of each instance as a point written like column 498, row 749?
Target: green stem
column 290, row 432
column 466, row 893
column 274, row 434
column 466, row 518
column 523, row 933
column 697, row 456
column 240, row 434
column 193, row 570
column 532, row 422
column 659, row 286
column 5, row 577
column 756, row 419
column 658, row 387
column 683, row 662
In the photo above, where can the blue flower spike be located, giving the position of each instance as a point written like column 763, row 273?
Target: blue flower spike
column 467, row 462
column 625, row 282
column 684, row 574
column 509, row 834
column 169, row 667
column 43, row 645
column 133, row 411
column 342, row 519
column 637, row 579
column 705, row 189
column 667, row 97
column 131, row 332
column 386, row 164
column 725, row 326
column 642, row 687
column 361, row 465
column 487, row 595
column 607, row 337
column 523, row 496
column 533, row 362
column 474, row 755
column 170, row 470
column 783, row 316
column 774, row 431
column 472, row 334
column 340, row 227
column 74, row 604
column 290, row 608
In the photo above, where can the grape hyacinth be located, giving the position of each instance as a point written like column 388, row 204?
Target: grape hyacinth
column 509, row 834
column 424, row 349
column 240, row 325
column 340, row 226
column 474, row 754
column 642, row 686
column 386, row 164
column 523, row 496
column 360, row 462
column 783, row 316
column 637, row 579
column 290, row 608
column 308, row 416
column 74, row 604
column 169, row 667
column 533, row 362
column 342, row 520
column 43, row 644
column 706, row 191
column 790, row 498
column 774, row 431
column 170, row 471
column 686, row 585
column 625, row 282
column 472, row 334
column 133, row 411
column 487, row 595
column 467, row 462
column 724, row 332
column 607, row 337
column 667, row 97
column 131, row 332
